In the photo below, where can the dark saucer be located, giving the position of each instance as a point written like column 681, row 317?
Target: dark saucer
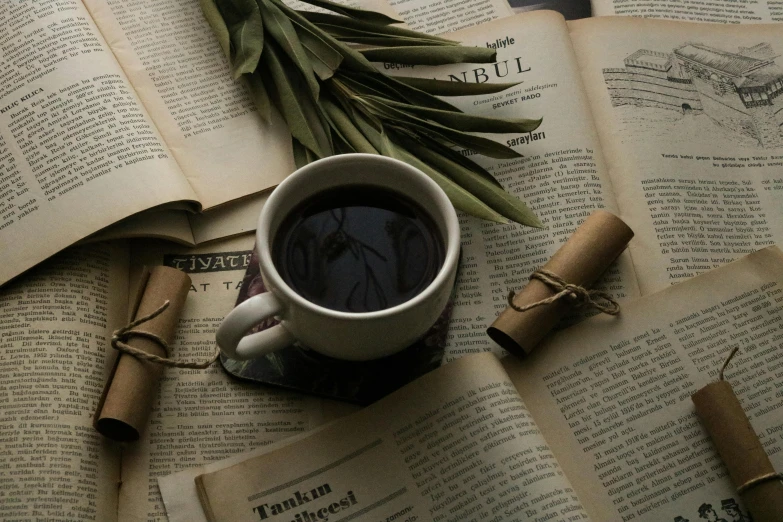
column 301, row 369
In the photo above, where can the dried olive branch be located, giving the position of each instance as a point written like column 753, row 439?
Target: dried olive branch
column 316, row 69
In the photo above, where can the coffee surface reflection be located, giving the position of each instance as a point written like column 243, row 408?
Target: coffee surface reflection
column 358, row 249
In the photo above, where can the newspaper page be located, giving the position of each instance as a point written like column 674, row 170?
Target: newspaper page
column 612, row 395
column 562, row 176
column 715, row 11
column 203, row 415
column 78, row 151
column 55, row 325
column 689, row 119
column 455, row 445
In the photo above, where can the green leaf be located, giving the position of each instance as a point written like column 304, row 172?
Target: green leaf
column 491, row 194
column 408, row 122
column 324, row 58
column 459, row 197
column 347, row 128
column 279, row 27
column 388, row 86
column 218, row 25
column 352, row 59
column 302, row 155
column 259, row 95
column 384, row 41
column 370, row 27
column 353, row 12
column 427, row 55
column 465, row 122
column 455, row 156
column 453, row 88
column 292, row 97
column 246, row 34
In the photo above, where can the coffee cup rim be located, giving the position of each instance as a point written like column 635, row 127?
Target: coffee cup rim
column 289, row 185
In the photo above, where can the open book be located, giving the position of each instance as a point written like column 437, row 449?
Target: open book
column 673, row 126
column 597, row 423
column 715, row 11
column 55, row 326
column 109, row 108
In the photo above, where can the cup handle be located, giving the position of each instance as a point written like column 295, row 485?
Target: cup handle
column 231, row 336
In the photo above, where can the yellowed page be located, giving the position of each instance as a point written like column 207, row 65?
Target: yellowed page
column 457, row 444
column 449, row 15
column 612, row 395
column 78, row 151
column 55, row 325
column 203, row 415
column 562, row 176
column 174, row 62
column 689, row 118
column 715, row 11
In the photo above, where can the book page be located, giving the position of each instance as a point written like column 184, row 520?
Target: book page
column 562, row 176
column 203, row 415
column 690, row 122
column 716, row 11
column 449, row 15
column 55, row 326
column 179, row 71
column 457, row 444
column 612, row 395
column 78, row 151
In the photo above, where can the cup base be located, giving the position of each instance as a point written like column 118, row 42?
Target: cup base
column 301, row 369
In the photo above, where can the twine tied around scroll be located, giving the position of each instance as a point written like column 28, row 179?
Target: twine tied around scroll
column 120, row 338
column 578, row 296
column 761, row 478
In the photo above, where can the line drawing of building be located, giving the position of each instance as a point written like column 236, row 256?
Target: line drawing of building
column 738, row 90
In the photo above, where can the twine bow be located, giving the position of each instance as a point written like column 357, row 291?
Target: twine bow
column 120, row 338
column 578, row 296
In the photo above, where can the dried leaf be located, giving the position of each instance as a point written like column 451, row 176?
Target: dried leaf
column 459, row 197
column 397, row 91
column 465, row 122
column 324, row 58
column 408, row 121
column 454, row 88
column 495, row 197
column 259, row 95
column 426, row 55
column 218, row 25
column 353, row 12
column 347, row 129
column 279, row 27
column 302, row 155
column 293, row 99
column 246, row 34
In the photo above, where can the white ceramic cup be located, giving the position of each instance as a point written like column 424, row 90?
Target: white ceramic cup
column 343, row 335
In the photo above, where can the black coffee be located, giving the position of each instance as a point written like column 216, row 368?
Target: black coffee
column 358, row 249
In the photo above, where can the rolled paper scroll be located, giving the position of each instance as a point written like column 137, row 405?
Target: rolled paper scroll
column 127, row 398
column 751, row 471
column 580, row 261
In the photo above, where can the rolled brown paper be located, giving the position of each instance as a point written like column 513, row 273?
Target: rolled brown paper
column 133, row 384
column 580, row 261
column 739, row 447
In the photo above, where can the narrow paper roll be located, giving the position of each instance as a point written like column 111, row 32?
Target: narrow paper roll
column 580, row 261
column 739, row 447
column 133, row 384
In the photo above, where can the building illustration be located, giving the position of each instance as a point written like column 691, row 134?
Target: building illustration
column 738, row 90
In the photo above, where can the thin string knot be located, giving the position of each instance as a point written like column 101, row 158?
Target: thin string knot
column 120, row 337
column 577, row 295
